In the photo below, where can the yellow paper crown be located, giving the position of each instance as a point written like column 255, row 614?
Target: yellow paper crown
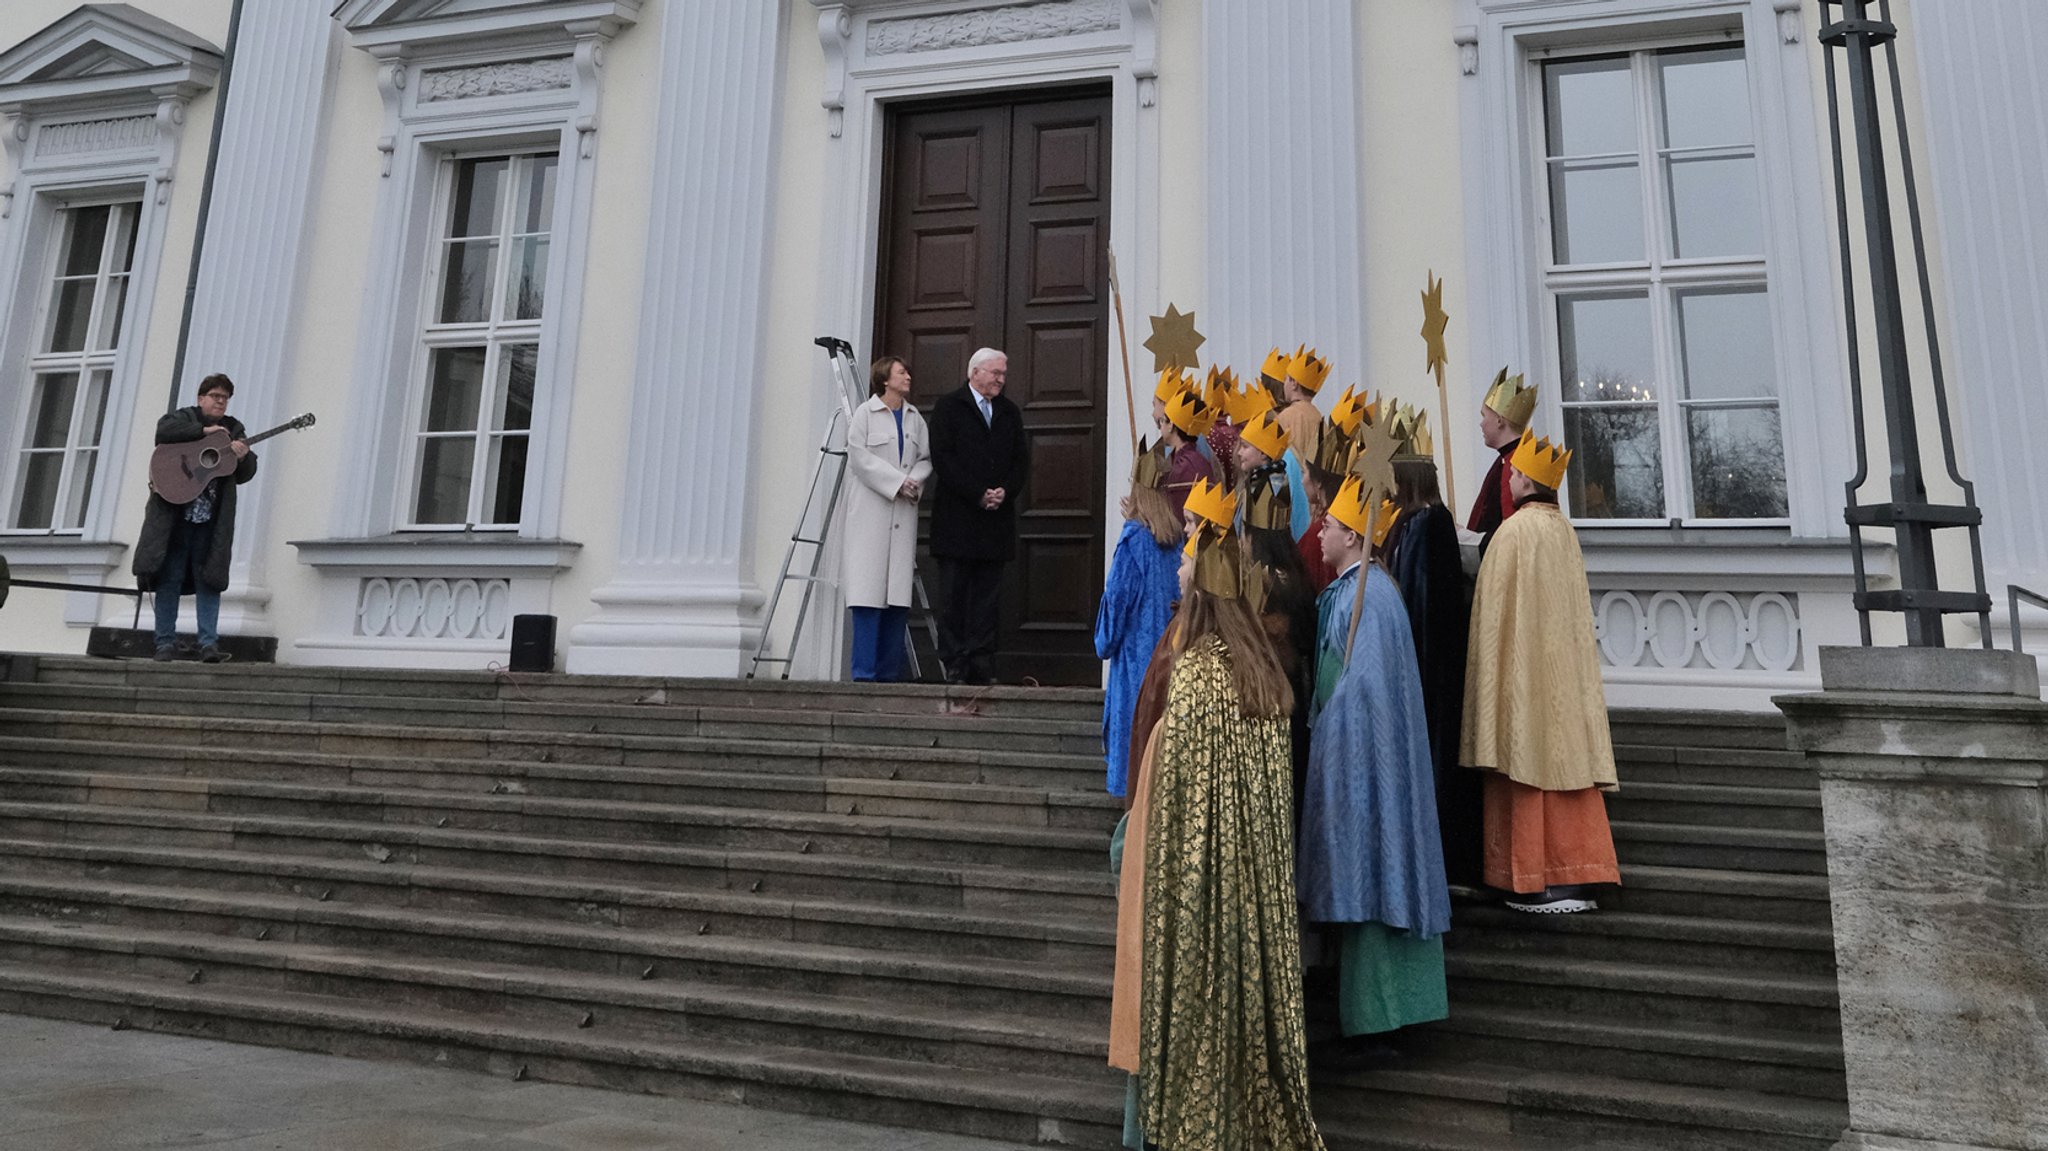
column 1348, row 412
column 1277, row 363
column 1170, row 381
column 1249, row 405
column 1349, row 508
column 1187, row 412
column 1541, row 460
column 1212, row 502
column 1411, row 427
column 1151, row 467
column 1266, row 434
column 1220, row 390
column 1309, row 371
column 1510, row 400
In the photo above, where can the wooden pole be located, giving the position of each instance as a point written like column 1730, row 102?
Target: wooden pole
column 1123, row 340
column 1443, row 435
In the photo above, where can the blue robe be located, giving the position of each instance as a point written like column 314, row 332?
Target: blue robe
column 1370, row 850
column 1137, row 604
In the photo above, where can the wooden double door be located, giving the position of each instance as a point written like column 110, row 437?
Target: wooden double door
column 995, row 233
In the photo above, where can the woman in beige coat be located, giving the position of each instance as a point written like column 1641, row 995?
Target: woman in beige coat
column 889, row 453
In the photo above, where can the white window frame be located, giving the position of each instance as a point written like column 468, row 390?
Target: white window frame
column 1508, row 244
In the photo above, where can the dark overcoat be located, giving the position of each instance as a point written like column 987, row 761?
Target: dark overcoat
column 968, row 458
column 179, row 427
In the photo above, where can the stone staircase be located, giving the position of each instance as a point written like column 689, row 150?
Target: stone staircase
column 888, row 904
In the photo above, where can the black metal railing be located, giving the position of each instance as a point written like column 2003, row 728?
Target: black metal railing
column 2014, row 594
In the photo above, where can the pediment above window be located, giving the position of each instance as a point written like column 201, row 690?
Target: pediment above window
column 105, row 53
column 399, row 26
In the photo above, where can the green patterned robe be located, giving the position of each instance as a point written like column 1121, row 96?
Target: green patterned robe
column 1224, row 1062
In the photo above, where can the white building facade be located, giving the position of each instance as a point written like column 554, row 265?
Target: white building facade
column 549, row 273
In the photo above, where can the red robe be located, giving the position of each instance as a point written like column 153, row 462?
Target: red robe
column 1495, row 503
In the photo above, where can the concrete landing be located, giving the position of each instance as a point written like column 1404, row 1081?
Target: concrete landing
column 75, row 1087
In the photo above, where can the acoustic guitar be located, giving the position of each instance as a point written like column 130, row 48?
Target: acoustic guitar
column 179, row 472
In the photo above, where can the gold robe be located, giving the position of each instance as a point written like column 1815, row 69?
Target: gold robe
column 1222, row 1060
column 1534, row 707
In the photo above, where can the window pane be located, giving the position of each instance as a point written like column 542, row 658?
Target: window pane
column 526, row 287
column 1604, row 348
column 1725, row 344
column 70, row 315
column 87, row 239
column 455, row 388
column 1596, row 213
column 1714, row 208
column 110, row 316
column 38, row 501
column 537, row 201
column 1706, row 97
column 124, row 248
column 507, row 478
column 1738, row 463
column 1617, row 469
column 477, row 185
column 50, row 425
column 82, row 466
column 518, row 364
column 471, row 270
column 444, row 480
column 95, row 409
column 1590, row 107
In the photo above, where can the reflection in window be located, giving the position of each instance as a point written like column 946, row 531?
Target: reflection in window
column 1658, row 287
column 482, row 346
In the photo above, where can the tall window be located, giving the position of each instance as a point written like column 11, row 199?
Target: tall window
column 1658, row 287
column 482, row 341
column 79, row 337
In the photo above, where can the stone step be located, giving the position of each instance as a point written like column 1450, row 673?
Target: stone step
column 688, row 786
column 1636, row 937
column 928, row 840
column 997, row 1105
column 978, row 985
column 144, row 837
column 609, row 1007
column 1646, row 993
column 1734, row 767
column 1717, row 805
column 1061, row 941
column 1513, row 1103
column 1708, row 893
column 410, row 744
column 1774, row 851
column 1749, row 1060
column 1760, row 731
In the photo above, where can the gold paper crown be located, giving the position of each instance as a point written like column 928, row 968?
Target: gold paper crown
column 1349, row 509
column 1277, row 363
column 1510, row 400
column 1221, row 567
column 1248, row 405
column 1212, row 502
column 1220, row 390
column 1411, row 427
column 1187, row 412
column 1334, row 447
column 1349, row 411
column 1266, row 434
column 1151, row 467
column 1309, row 371
column 1541, row 460
column 1170, row 381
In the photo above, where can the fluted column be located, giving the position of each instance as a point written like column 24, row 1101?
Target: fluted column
column 245, row 316
column 682, row 601
column 1284, row 259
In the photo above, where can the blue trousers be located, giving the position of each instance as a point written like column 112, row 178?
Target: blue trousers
column 186, row 551
column 878, row 643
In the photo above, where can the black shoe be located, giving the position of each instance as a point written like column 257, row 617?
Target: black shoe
column 1552, row 901
column 165, row 654
column 212, row 653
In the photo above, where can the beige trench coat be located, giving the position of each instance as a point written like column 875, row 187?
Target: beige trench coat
column 879, row 530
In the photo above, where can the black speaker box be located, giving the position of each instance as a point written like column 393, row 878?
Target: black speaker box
column 533, row 643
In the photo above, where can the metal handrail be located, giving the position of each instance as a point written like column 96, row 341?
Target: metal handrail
column 2014, row 594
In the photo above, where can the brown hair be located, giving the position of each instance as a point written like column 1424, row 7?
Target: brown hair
column 1415, row 485
column 1262, row 688
column 1149, row 506
column 218, row 381
column 878, row 373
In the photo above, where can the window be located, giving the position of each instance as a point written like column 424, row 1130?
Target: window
column 78, row 339
column 1657, row 285
column 482, row 341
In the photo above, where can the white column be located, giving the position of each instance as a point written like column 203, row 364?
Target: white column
column 1284, row 258
column 245, row 316
column 682, row 601
column 1986, row 102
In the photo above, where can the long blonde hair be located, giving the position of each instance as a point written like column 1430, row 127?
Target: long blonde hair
column 1149, row 506
column 1262, row 688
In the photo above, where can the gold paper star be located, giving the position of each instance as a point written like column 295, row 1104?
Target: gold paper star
column 1174, row 341
column 1434, row 321
column 1374, row 463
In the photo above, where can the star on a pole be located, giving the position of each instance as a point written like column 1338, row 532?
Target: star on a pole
column 1174, row 341
column 1434, row 321
column 1374, row 462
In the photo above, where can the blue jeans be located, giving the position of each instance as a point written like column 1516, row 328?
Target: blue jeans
column 878, row 643
column 187, row 550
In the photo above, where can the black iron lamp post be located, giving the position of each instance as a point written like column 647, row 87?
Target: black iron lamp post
column 1859, row 35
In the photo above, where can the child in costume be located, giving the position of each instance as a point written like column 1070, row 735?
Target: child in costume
column 1137, row 602
column 1183, row 420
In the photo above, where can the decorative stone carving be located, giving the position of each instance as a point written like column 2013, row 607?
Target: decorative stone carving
column 1719, row 631
column 1010, row 24
column 119, row 134
column 404, row 607
column 1466, row 37
column 508, row 78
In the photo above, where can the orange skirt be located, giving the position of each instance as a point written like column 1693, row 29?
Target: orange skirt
column 1537, row 839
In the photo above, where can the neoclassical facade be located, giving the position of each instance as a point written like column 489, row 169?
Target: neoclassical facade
column 549, row 273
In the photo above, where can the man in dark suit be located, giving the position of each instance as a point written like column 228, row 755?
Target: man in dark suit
column 980, row 457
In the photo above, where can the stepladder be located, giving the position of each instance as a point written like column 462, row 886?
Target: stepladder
column 803, row 561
